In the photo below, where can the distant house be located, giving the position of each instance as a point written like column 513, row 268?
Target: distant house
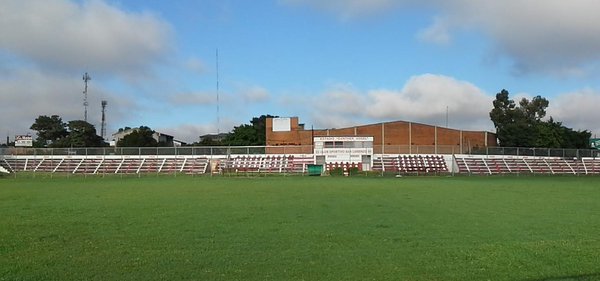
column 168, row 140
column 178, row 143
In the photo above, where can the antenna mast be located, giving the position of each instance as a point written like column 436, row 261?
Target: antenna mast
column 86, row 78
column 446, row 116
column 218, row 118
column 103, row 128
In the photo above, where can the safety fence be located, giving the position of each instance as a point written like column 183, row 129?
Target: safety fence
column 255, row 150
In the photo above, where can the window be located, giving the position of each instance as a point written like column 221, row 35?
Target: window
column 334, row 144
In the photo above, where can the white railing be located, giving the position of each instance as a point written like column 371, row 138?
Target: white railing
column 251, row 150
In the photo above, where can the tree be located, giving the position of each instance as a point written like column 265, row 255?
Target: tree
column 250, row 134
column 535, row 109
column 554, row 135
column 83, row 134
column 50, row 130
column 53, row 132
column 503, row 111
column 140, row 137
column 260, row 124
column 243, row 135
column 515, row 126
column 522, row 126
column 550, row 134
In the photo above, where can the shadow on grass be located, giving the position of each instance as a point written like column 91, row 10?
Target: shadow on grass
column 582, row 277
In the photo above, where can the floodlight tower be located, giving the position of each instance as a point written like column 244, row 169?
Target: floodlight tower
column 103, row 128
column 218, row 117
column 86, row 78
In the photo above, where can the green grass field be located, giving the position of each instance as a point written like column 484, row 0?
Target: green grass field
column 300, row 228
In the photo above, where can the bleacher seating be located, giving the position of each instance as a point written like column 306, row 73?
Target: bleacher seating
column 592, row 166
column 106, row 165
column 480, row 165
column 88, row 166
column 266, row 164
column 4, row 164
column 172, row 165
column 194, row 166
column 46, row 165
column 150, row 165
column 419, row 164
column 298, row 163
column 110, row 166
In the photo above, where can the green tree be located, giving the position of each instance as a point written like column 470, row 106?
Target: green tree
column 83, row 134
column 249, row 134
column 534, row 110
column 550, row 134
column 140, row 137
column 50, row 130
column 515, row 126
column 522, row 126
column 53, row 132
column 260, row 124
column 503, row 112
column 243, row 135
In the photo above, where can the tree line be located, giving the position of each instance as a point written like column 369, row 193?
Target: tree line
column 253, row 134
column 522, row 125
column 53, row 132
column 517, row 125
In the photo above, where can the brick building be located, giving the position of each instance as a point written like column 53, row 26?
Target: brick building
column 397, row 137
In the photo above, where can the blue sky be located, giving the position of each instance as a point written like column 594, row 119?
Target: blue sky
column 332, row 63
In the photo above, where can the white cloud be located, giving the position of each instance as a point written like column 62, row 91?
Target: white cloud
column 46, row 45
column 437, row 33
column 193, row 99
column 424, row 98
column 339, row 106
column 196, row 65
column 190, row 132
column 577, row 110
column 551, row 36
column 254, row 93
column 554, row 37
column 65, row 35
column 27, row 94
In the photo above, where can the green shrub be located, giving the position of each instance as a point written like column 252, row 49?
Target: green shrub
column 336, row 172
column 354, row 171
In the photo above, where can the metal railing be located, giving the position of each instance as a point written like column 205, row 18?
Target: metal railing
column 250, row 150
column 537, row 152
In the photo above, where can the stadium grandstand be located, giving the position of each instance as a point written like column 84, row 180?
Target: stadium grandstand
column 397, row 147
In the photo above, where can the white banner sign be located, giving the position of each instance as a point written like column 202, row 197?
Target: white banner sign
column 24, row 140
column 282, row 124
column 318, row 139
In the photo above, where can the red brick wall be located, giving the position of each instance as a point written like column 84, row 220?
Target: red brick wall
column 398, row 133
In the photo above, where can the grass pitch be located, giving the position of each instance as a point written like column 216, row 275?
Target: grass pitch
column 300, row 228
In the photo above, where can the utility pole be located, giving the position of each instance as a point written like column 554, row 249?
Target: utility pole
column 86, row 78
column 103, row 128
column 218, row 117
column 446, row 116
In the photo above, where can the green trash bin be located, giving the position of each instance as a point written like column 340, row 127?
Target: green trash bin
column 315, row 170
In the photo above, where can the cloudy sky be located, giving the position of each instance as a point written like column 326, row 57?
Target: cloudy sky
column 332, row 63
